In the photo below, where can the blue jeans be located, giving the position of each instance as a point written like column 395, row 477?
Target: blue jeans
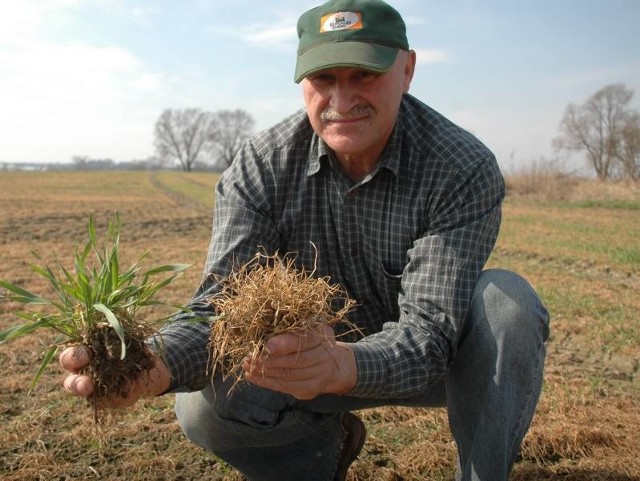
column 491, row 392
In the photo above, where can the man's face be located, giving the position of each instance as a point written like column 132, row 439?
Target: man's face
column 354, row 110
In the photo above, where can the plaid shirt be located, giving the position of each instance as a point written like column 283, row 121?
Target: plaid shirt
column 407, row 242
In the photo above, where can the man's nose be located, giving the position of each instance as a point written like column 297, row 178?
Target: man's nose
column 343, row 98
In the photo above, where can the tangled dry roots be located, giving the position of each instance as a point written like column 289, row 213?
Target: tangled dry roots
column 265, row 297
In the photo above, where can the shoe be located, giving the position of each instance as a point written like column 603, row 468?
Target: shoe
column 353, row 442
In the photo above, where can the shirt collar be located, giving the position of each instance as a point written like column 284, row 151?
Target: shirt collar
column 317, row 151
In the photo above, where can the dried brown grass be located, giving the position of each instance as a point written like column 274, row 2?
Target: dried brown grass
column 265, row 297
column 579, row 434
column 542, row 180
column 545, row 181
column 46, row 435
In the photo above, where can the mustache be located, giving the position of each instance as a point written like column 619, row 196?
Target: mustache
column 331, row 114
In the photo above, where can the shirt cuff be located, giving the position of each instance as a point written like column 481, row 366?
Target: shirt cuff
column 371, row 368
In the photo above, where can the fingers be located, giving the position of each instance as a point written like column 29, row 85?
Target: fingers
column 154, row 382
column 291, row 367
column 302, row 382
column 78, row 385
column 323, row 369
column 290, row 343
column 73, row 359
column 302, row 374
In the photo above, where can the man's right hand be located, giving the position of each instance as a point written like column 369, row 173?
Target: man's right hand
column 153, row 383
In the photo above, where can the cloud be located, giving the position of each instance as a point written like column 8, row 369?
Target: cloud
column 19, row 20
column 48, row 74
column 272, row 36
column 142, row 15
column 427, row 56
column 55, row 90
column 279, row 36
column 413, row 20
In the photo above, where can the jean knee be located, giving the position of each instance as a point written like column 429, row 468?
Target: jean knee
column 507, row 298
column 194, row 414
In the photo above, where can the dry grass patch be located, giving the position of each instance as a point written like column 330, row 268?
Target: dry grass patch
column 581, row 433
column 586, row 427
column 266, row 297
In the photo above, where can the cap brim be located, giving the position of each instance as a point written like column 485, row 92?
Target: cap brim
column 378, row 58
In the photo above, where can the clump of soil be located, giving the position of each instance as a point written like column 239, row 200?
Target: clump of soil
column 263, row 298
column 110, row 372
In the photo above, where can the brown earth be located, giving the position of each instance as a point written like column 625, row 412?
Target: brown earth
column 586, row 426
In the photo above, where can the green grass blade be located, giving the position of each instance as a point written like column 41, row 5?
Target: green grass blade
column 24, row 329
column 22, row 295
column 81, row 281
column 44, row 271
column 167, row 268
column 56, row 283
column 49, row 355
column 11, row 333
column 92, row 235
column 116, row 325
column 113, row 265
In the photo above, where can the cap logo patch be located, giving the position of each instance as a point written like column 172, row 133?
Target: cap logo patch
column 341, row 21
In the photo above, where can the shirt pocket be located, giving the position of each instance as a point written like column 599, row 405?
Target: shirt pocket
column 389, row 289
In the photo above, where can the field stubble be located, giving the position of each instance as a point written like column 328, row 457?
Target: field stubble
column 583, row 260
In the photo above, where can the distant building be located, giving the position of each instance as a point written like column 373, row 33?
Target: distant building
column 32, row 166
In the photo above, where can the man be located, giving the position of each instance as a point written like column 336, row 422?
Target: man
column 403, row 208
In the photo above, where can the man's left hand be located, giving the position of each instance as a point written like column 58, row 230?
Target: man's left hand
column 304, row 365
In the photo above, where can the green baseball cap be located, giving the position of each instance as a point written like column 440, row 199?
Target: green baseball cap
column 349, row 33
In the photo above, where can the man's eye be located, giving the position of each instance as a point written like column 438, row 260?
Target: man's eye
column 322, row 79
column 365, row 75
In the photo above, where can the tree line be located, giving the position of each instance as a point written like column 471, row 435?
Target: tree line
column 606, row 130
column 190, row 137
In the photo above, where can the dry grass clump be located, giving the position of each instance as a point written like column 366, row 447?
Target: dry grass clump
column 263, row 298
column 580, row 435
column 541, row 180
column 544, row 444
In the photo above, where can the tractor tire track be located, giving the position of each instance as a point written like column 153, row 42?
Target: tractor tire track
column 179, row 198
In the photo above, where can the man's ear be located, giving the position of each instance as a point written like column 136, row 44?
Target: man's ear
column 409, row 69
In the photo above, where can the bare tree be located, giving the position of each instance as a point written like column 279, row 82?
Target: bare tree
column 182, row 135
column 230, row 128
column 597, row 127
column 630, row 151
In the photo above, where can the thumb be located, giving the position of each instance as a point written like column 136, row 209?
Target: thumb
column 74, row 358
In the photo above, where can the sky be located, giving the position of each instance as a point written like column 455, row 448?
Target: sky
column 91, row 77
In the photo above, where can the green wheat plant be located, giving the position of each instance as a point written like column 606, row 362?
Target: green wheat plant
column 97, row 304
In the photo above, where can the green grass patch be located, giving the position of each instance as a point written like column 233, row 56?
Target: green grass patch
column 611, row 327
column 617, row 204
column 627, row 255
column 195, row 187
